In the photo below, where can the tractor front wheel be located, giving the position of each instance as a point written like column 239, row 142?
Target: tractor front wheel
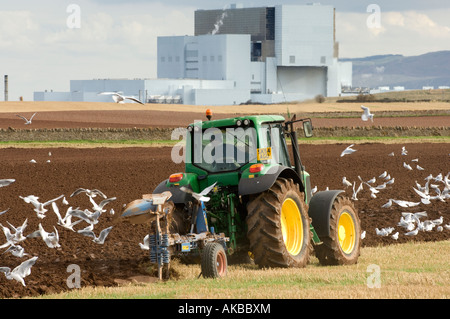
column 279, row 226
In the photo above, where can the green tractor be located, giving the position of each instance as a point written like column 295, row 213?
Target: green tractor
column 259, row 195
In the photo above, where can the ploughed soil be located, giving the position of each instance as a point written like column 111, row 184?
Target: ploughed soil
column 168, row 119
column 128, row 173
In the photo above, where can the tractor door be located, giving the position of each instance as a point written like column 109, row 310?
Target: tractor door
column 272, row 137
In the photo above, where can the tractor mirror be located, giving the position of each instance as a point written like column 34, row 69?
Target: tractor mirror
column 307, row 128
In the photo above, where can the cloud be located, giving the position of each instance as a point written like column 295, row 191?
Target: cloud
column 408, row 33
column 17, row 29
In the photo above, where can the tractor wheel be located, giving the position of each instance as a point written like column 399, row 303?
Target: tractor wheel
column 342, row 247
column 214, row 261
column 278, row 226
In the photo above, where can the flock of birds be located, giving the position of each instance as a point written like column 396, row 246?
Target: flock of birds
column 15, row 235
column 430, row 191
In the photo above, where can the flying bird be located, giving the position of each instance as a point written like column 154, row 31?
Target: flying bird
column 39, row 207
column 16, row 250
column 99, row 207
column 65, row 222
column 366, row 115
column 355, row 192
column 1, row 213
column 6, row 182
column 50, row 239
column 145, row 245
column 348, row 150
column 119, row 98
column 20, row 272
column 27, row 121
column 91, row 193
column 199, row 196
column 86, row 215
column 90, row 233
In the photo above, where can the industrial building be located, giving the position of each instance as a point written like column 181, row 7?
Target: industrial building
column 237, row 55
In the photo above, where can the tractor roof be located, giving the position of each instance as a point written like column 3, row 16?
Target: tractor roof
column 256, row 119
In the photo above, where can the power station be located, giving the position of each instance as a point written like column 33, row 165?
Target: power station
column 237, row 55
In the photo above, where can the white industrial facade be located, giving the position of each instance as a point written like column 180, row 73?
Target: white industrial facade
column 263, row 55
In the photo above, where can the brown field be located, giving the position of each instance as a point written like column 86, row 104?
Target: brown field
column 128, row 173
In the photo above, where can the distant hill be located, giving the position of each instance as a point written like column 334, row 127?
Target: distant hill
column 412, row 72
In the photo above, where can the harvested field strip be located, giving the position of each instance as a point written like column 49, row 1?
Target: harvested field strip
column 430, row 278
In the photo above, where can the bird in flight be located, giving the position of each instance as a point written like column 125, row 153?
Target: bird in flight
column 27, row 121
column 119, row 98
column 199, row 196
column 20, row 272
column 348, row 150
column 366, row 115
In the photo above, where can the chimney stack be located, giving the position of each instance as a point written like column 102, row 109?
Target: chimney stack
column 6, row 88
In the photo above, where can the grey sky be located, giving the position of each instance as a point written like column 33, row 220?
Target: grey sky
column 117, row 39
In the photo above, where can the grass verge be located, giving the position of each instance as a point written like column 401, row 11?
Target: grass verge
column 411, row 270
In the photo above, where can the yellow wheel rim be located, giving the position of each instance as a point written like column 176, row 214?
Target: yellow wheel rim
column 291, row 226
column 346, row 232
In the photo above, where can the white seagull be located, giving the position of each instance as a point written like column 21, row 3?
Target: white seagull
column 27, row 121
column 407, row 166
column 50, row 239
column 65, row 222
column 348, row 150
column 13, row 238
column 90, row 233
column 199, row 196
column 86, row 215
column 6, row 182
column 99, row 207
column 39, row 207
column 366, row 115
column 388, row 204
column 16, row 250
column 346, row 182
column 20, row 272
column 91, row 193
column 119, row 98
column 145, row 245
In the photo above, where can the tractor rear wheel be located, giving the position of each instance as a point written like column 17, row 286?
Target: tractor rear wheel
column 342, row 246
column 279, row 226
column 214, row 261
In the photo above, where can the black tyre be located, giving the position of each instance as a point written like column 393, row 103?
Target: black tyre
column 214, row 261
column 342, row 247
column 278, row 226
